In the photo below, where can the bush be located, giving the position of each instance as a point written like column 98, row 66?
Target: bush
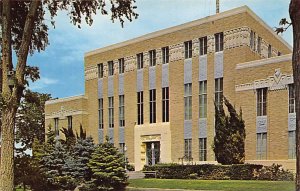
column 220, row 172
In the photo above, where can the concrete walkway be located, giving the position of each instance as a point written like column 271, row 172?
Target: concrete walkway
column 160, row 189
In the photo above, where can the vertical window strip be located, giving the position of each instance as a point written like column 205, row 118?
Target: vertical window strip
column 292, row 145
column 152, row 55
column 292, row 108
column 269, row 51
column 261, row 146
column 121, row 66
column 111, row 112
column 140, row 112
column 259, row 45
column 121, row 111
column 262, row 102
column 100, row 70
column 219, row 92
column 165, row 104
column 100, row 112
column 252, row 40
column 219, row 42
column 70, row 122
column 140, row 61
column 56, row 127
column 188, row 149
column 122, row 148
column 152, row 106
column 188, row 49
column 110, row 68
column 203, row 45
column 203, row 149
column 188, row 101
column 203, row 99
column 165, row 55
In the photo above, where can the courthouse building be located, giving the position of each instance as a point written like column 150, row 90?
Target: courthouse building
column 154, row 95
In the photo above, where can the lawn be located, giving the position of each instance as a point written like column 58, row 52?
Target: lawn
column 226, row 185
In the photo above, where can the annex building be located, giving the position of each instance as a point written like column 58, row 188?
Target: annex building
column 153, row 96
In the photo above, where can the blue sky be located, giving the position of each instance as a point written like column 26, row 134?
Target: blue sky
column 62, row 64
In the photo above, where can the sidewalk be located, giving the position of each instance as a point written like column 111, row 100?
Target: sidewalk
column 160, row 189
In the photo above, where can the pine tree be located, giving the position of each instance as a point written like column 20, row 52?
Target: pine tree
column 229, row 140
column 107, row 165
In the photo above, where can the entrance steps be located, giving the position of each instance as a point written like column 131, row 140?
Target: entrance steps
column 135, row 174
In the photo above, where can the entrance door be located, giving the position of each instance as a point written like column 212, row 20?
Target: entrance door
column 152, row 152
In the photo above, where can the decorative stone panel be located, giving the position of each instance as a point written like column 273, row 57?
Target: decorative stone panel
column 176, row 52
column 116, row 67
column 219, row 65
column 165, row 76
column 158, row 56
column 187, row 71
column 261, row 124
column 152, row 77
column 202, row 128
column 210, row 43
column 105, row 69
column 188, row 133
column 91, row 73
column 195, row 47
column 237, row 37
column 146, row 59
column 202, row 67
column 130, row 63
column 292, row 122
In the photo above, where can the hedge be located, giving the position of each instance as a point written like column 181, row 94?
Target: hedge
column 220, row 172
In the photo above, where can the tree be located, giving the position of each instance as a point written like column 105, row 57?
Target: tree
column 24, row 30
column 107, row 165
column 229, row 140
column 30, row 119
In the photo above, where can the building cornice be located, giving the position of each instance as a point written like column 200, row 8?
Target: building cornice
column 243, row 9
column 261, row 62
column 71, row 98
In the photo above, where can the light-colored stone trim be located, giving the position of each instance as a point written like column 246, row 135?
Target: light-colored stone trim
column 91, row 73
column 62, row 114
column 225, row 14
column 256, row 63
column 60, row 100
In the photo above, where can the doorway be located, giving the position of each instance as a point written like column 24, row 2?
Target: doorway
column 152, row 153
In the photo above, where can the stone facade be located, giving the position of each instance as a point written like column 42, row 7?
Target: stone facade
column 243, row 67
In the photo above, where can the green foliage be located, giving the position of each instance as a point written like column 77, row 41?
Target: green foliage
column 107, row 165
column 70, row 140
column 229, row 140
column 220, row 172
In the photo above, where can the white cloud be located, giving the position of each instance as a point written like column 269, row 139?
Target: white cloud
column 42, row 83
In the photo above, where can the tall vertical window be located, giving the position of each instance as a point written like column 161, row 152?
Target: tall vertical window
column 188, row 101
column 219, row 92
column 56, row 127
column 110, row 68
column 188, row 49
column 165, row 55
column 292, row 144
column 111, row 112
column 152, row 55
column 269, row 51
column 152, row 106
column 203, row 45
column 165, row 104
column 121, row 111
column 70, row 122
column 100, row 70
column 261, row 102
column 202, row 99
column 252, row 40
column 140, row 108
column 122, row 147
column 261, row 146
column 121, row 66
column 219, row 39
column 292, row 108
column 188, row 149
column 202, row 149
column 259, row 45
column 100, row 112
column 140, row 60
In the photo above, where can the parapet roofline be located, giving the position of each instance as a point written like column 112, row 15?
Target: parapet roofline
column 207, row 19
column 59, row 100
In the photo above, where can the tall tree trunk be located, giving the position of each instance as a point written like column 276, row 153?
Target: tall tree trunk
column 295, row 18
column 11, row 97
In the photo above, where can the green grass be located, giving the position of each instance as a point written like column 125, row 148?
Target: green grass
column 226, row 185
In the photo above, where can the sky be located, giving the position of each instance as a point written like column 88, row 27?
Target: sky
column 62, row 63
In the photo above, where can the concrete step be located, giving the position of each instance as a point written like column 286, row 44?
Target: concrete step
column 135, row 175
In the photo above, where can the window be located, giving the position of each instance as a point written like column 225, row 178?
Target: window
column 259, row 45
column 188, row 49
column 261, row 146
column 140, row 107
column 140, row 61
column 100, row 70
column 121, row 111
column 188, row 149
column 202, row 99
column 292, row 144
column 70, row 125
column 152, row 55
column 56, row 127
column 219, row 42
column 165, row 104
column 252, row 40
column 152, row 106
column 219, row 92
column 202, row 149
column 188, row 101
column 111, row 112
column 262, row 102
column 100, row 112
column 165, row 55
column 121, row 66
column 110, row 68
column 269, row 51
column 203, row 45
column 292, row 108
column 122, row 147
